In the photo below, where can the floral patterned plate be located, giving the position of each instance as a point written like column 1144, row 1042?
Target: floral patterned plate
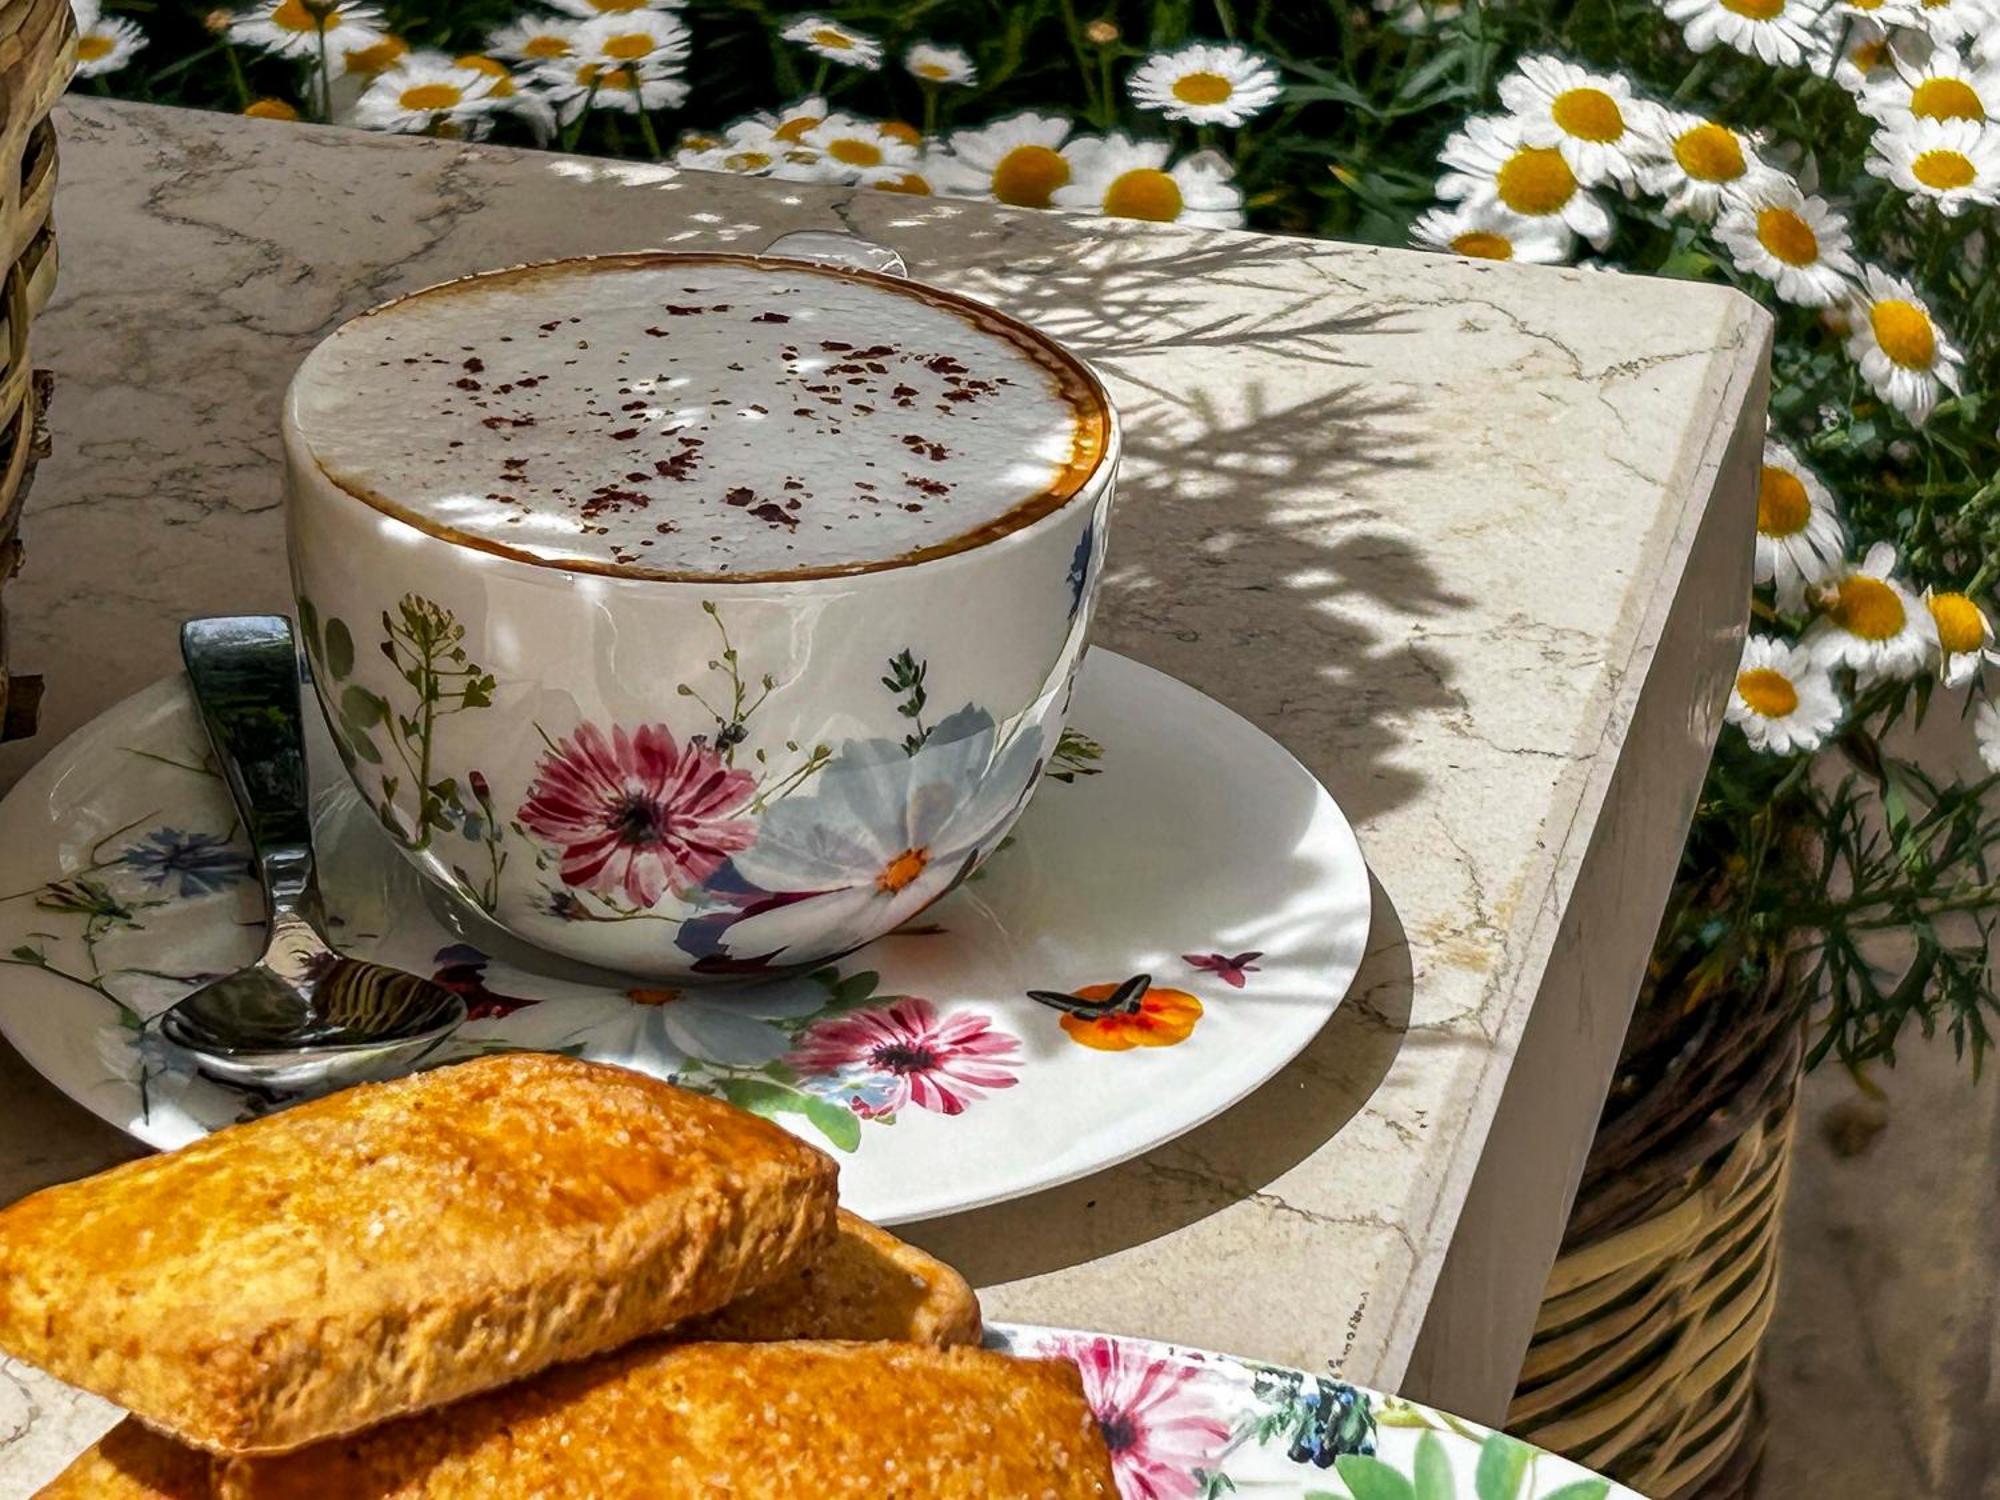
column 1181, row 861
column 1184, row 1424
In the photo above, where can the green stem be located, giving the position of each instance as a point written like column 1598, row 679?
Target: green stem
column 325, row 75
column 646, row 133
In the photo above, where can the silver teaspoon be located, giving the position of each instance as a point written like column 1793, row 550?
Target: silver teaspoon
column 304, row 1016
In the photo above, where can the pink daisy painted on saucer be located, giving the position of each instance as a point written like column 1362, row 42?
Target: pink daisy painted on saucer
column 637, row 814
column 1161, row 1428
column 878, row 1061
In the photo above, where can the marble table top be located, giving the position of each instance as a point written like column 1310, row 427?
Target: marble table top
column 1473, row 541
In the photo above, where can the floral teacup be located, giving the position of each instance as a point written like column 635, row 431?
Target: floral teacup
column 707, row 771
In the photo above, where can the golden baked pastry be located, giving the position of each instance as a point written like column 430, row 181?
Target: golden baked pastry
column 749, row 1421
column 401, row 1245
column 868, row 1285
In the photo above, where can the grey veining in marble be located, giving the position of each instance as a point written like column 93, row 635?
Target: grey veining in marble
column 1471, row 540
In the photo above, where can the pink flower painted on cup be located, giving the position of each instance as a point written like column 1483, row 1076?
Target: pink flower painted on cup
column 637, row 814
column 878, row 1061
column 1159, row 1425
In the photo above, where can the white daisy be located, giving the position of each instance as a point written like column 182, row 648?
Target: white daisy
column 1880, row 14
column 292, row 28
column 1944, row 86
column 650, row 43
column 834, row 42
column 790, row 123
column 534, row 39
column 1489, row 232
column 931, row 64
column 1592, row 118
column 1021, row 160
column 1872, row 622
column 1903, row 354
column 515, row 96
column 1986, row 734
column 1800, row 540
column 103, row 44
column 372, row 58
column 1958, row 20
column 859, row 145
column 1780, row 32
column 589, row 10
column 1782, row 700
column 1206, row 84
column 1866, row 51
column 1798, row 244
column 1128, row 179
column 1964, row 634
column 576, row 86
column 1491, row 162
column 1693, row 163
column 1954, row 163
column 424, row 91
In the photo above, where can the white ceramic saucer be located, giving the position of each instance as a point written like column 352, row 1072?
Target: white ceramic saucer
column 1192, row 850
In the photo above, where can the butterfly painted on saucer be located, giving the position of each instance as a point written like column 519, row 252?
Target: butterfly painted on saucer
column 1119, row 1017
column 1229, row 970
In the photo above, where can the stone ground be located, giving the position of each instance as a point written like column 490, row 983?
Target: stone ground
column 1882, row 1370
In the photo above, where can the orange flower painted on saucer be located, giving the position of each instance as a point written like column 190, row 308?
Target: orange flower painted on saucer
column 1119, row 1017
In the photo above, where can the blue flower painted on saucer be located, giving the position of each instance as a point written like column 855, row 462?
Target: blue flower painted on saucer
column 195, row 864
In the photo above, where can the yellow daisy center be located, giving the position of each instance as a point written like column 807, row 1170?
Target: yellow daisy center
column 1710, row 153
column 913, row 183
column 1869, row 608
column 475, row 63
column 629, row 47
column 617, row 7
column 547, row 45
column 1868, row 56
column 1768, row 691
column 1866, row 4
column 1946, row 99
column 794, row 130
column 1144, row 193
column 1588, row 114
column 654, row 997
column 826, row 36
column 1904, row 331
column 427, row 97
column 270, row 109
column 902, row 130
column 1535, row 180
column 1943, row 169
column 855, row 153
column 1787, row 236
column 903, row 869
column 291, row 15
column 1960, row 625
column 1756, row 10
column 1483, row 244
column 618, row 78
column 1783, row 507
column 1028, row 175
column 94, row 46
column 377, row 56
column 935, row 72
column 1203, row 88
column 747, row 161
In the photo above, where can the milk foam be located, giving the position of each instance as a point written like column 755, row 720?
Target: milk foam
column 700, row 416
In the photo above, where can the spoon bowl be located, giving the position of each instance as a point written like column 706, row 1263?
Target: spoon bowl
column 304, row 1016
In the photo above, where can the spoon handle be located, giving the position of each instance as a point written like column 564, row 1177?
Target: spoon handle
column 245, row 671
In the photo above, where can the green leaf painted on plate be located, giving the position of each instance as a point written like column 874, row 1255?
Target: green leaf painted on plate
column 1582, row 1489
column 1433, row 1469
column 361, row 708
column 361, row 745
column 1502, row 1462
column 1371, row 1479
column 766, row 1097
column 339, row 648
column 309, row 627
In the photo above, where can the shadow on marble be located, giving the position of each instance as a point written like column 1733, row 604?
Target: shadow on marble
column 1237, row 1155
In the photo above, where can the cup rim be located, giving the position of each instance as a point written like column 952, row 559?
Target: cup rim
column 1094, row 453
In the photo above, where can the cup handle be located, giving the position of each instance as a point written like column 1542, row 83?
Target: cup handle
column 834, row 247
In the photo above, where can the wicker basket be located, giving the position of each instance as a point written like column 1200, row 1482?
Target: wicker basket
column 1644, row 1356
column 37, row 51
